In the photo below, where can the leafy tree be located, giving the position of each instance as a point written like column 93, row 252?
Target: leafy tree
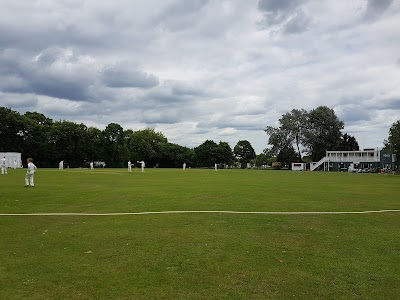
column 224, row 154
column 67, row 141
column 288, row 155
column 206, row 154
column 12, row 130
column 36, row 138
column 291, row 131
column 323, row 132
column 94, row 143
column 261, row 159
column 348, row 143
column 173, row 156
column 244, row 152
column 114, row 146
column 113, row 133
column 316, row 131
column 146, row 145
column 393, row 141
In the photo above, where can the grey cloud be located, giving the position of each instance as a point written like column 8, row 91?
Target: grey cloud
column 298, row 23
column 278, row 6
column 284, row 14
column 179, row 16
column 353, row 113
column 18, row 101
column 35, row 39
column 55, row 73
column 119, row 77
column 376, row 8
column 160, row 116
column 48, row 56
column 173, row 93
column 250, row 124
column 387, row 103
column 182, row 89
column 181, row 7
column 60, row 88
column 61, row 73
column 13, row 84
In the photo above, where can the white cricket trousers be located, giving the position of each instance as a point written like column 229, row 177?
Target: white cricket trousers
column 29, row 180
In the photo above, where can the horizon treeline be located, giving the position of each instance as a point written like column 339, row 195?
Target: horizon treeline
column 301, row 136
column 48, row 142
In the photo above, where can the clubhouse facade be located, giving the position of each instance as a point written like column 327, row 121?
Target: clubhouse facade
column 371, row 160
column 367, row 159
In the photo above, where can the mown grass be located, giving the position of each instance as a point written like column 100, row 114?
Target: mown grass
column 199, row 256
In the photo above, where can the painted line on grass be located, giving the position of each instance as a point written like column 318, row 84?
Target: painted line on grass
column 206, row 211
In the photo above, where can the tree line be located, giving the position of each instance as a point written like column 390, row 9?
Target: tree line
column 301, row 136
column 48, row 142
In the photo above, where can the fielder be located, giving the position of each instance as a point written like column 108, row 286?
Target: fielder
column 30, row 173
column 4, row 165
column 142, row 164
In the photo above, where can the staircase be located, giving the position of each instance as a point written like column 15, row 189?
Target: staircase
column 315, row 165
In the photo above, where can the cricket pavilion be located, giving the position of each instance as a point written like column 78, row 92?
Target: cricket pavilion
column 370, row 160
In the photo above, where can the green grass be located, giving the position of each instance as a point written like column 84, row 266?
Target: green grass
column 199, row 256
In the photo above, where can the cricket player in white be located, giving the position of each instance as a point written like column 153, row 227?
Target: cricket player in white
column 91, row 165
column 142, row 164
column 30, row 173
column 129, row 166
column 3, row 165
column 61, row 165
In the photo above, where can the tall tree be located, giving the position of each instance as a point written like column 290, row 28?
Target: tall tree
column 12, row 129
column 114, row 145
column 95, row 145
column 323, row 132
column 146, row 145
column 288, row 155
column 206, row 154
column 173, row 156
column 67, row 142
column 348, row 143
column 244, row 152
column 37, row 138
column 261, row 159
column 290, row 131
column 224, row 154
column 393, row 141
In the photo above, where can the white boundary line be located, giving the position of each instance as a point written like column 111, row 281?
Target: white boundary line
column 206, row 211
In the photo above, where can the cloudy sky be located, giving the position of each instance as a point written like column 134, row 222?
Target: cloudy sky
column 203, row 69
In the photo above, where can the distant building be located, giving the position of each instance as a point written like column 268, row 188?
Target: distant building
column 299, row 166
column 11, row 157
column 367, row 159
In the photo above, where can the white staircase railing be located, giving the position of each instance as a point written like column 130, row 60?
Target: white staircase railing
column 315, row 165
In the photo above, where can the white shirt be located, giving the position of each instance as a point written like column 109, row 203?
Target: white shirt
column 31, row 168
column 3, row 161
